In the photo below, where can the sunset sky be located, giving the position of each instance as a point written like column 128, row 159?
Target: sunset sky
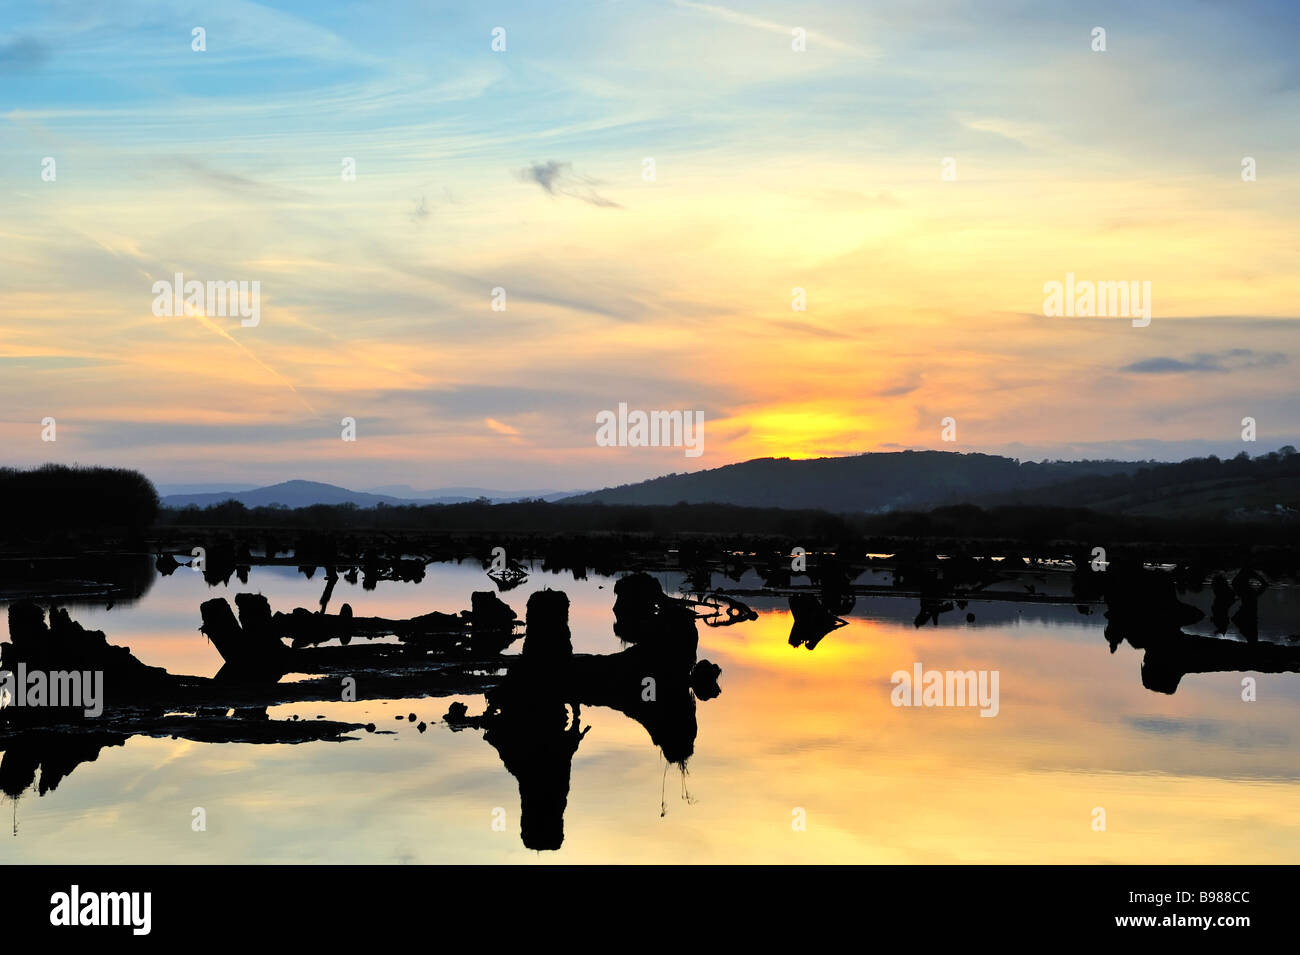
column 523, row 169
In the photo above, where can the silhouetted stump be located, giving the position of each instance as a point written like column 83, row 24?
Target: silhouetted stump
column 491, row 622
column 1247, row 585
column 642, row 611
column 65, row 645
column 1142, row 604
column 250, row 656
column 811, row 621
column 1224, row 598
column 536, row 745
column 1167, row 660
column 54, row 754
column 546, row 638
column 704, row 680
column 636, row 597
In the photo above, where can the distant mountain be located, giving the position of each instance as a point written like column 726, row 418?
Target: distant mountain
column 288, row 494
column 459, row 495
column 307, row 493
column 208, row 488
column 876, row 482
column 1236, row 488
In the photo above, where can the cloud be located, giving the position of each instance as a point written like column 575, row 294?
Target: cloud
column 807, row 328
column 1162, row 366
column 1234, row 359
column 1205, row 731
column 559, row 179
column 500, row 427
column 1029, row 135
column 545, row 174
column 42, row 362
column 1200, row 729
column 233, row 182
column 904, row 387
column 770, row 26
column 22, row 53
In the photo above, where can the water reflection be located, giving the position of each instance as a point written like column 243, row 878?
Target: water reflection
column 569, row 718
column 655, row 683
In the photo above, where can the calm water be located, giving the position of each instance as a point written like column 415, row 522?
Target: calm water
column 1200, row 776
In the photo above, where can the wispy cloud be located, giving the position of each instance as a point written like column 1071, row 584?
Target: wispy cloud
column 1029, row 135
column 558, row 179
column 22, row 53
column 814, row 37
column 235, row 183
column 1235, row 359
column 52, row 362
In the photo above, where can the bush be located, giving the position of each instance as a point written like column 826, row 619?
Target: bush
column 57, row 498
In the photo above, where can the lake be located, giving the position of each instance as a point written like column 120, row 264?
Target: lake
column 801, row 758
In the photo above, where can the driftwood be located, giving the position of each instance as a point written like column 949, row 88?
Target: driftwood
column 526, row 717
column 642, row 609
column 509, row 577
column 137, row 697
column 1166, row 661
column 811, row 621
column 1143, row 608
column 487, row 627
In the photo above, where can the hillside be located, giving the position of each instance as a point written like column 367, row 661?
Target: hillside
column 875, row 483
column 1239, row 488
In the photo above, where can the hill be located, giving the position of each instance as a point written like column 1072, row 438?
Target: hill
column 872, row 483
column 286, row 494
column 1240, row 488
column 310, row 493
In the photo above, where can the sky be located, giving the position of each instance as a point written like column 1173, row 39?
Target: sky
column 649, row 183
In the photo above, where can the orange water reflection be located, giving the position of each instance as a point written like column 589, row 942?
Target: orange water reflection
column 1194, row 777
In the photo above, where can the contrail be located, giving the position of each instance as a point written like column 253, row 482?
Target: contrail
column 213, row 326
